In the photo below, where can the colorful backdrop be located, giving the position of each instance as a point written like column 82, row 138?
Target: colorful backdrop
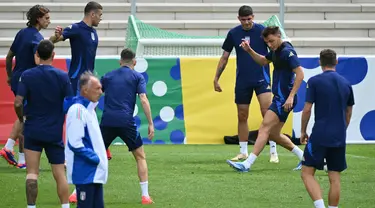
column 186, row 109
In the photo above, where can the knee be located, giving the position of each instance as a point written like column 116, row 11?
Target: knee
column 242, row 116
column 139, row 154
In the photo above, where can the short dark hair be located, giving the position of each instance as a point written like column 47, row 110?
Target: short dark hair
column 45, row 49
column 85, row 78
column 271, row 30
column 245, row 11
column 328, row 58
column 127, row 54
column 92, row 6
column 34, row 13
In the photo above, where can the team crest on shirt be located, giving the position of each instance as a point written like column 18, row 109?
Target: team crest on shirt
column 82, row 196
column 92, row 36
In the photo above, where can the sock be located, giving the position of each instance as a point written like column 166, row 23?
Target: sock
column 273, row 148
column 65, row 205
column 21, row 158
column 31, row 206
column 332, row 207
column 243, row 148
column 297, row 151
column 250, row 160
column 144, row 188
column 75, row 191
column 319, row 203
column 10, row 144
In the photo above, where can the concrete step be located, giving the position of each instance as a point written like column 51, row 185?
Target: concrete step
column 203, row 1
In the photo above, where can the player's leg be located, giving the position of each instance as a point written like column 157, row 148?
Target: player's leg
column 243, row 98
column 264, row 96
column 56, row 157
column 21, row 164
column 33, row 151
column 86, row 195
column 7, row 151
column 270, row 120
column 99, row 196
column 336, row 163
column 313, row 159
column 133, row 140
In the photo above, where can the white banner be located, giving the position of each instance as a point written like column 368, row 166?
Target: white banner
column 360, row 71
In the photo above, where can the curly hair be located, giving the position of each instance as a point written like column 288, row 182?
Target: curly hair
column 34, row 13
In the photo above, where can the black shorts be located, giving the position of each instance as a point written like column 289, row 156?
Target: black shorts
column 129, row 135
column 244, row 95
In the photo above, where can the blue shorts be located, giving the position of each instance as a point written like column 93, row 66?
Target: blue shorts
column 243, row 95
column 54, row 150
column 315, row 154
column 90, row 196
column 277, row 107
column 129, row 135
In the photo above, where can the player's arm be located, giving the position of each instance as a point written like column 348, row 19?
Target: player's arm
column 9, row 64
column 22, row 92
column 306, row 113
column 349, row 107
column 293, row 63
column 62, row 35
column 141, row 90
column 75, row 126
column 227, row 49
column 259, row 59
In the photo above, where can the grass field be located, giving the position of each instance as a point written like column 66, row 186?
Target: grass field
column 197, row 176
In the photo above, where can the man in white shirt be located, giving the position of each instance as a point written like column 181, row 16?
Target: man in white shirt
column 87, row 162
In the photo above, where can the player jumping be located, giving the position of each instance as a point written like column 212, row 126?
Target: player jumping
column 23, row 48
column 333, row 97
column 287, row 78
column 250, row 76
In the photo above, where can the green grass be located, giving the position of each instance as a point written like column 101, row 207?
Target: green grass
column 197, row 176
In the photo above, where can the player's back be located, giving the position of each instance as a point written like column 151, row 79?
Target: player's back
column 47, row 87
column 333, row 94
column 24, row 47
column 120, row 87
column 248, row 71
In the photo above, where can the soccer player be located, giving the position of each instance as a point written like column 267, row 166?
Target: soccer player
column 87, row 162
column 250, row 77
column 121, row 87
column 287, row 78
column 333, row 97
column 23, row 48
column 44, row 87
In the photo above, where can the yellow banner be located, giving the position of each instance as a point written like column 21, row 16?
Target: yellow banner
column 210, row 115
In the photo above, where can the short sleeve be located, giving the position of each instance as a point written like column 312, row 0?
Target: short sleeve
column 310, row 92
column 103, row 81
column 292, row 59
column 351, row 97
column 269, row 56
column 35, row 43
column 16, row 44
column 228, row 43
column 22, row 89
column 68, row 90
column 70, row 31
column 141, row 88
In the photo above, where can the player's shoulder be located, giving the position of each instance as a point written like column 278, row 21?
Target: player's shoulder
column 258, row 26
column 235, row 29
column 288, row 50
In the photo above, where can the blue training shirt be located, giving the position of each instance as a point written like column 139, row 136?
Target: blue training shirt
column 83, row 43
column 121, row 87
column 248, row 71
column 332, row 94
column 285, row 60
column 44, row 87
column 24, row 47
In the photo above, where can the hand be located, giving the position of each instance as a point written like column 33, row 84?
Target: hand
column 151, row 131
column 288, row 105
column 304, row 138
column 9, row 80
column 217, row 86
column 245, row 45
column 58, row 31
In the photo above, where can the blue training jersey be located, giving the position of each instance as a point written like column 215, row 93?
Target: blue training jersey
column 285, row 60
column 332, row 94
column 248, row 71
column 24, row 47
column 83, row 43
column 44, row 88
column 121, row 87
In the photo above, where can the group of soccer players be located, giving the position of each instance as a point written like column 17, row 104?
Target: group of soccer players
column 42, row 93
column 331, row 93
column 41, row 89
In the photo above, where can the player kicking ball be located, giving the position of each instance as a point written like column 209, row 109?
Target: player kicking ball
column 333, row 97
column 287, row 78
